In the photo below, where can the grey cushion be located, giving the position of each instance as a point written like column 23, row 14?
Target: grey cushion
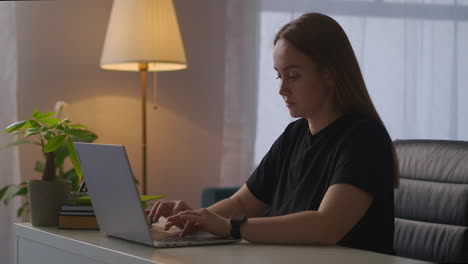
column 431, row 204
column 431, row 242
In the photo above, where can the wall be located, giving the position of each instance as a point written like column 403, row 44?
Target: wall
column 59, row 51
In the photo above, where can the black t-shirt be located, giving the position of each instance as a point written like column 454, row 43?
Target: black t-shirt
column 299, row 168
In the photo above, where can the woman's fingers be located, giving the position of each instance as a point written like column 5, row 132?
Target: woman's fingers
column 180, row 220
column 191, row 220
column 164, row 210
column 190, row 226
column 153, row 209
column 170, row 224
column 181, row 206
column 157, row 214
column 187, row 229
column 180, row 225
column 160, row 209
column 177, row 217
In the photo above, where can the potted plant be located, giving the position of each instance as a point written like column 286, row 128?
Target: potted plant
column 56, row 139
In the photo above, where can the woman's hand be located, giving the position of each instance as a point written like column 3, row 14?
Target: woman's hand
column 200, row 219
column 166, row 209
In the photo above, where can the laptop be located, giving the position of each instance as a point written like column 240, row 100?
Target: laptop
column 116, row 201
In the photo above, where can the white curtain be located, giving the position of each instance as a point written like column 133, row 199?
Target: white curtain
column 240, row 87
column 413, row 54
column 9, row 162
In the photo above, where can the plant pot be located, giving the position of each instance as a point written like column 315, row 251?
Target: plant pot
column 45, row 198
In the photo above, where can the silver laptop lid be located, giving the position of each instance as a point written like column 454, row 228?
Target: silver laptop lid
column 111, row 186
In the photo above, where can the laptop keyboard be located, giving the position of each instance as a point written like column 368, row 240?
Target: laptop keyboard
column 168, row 237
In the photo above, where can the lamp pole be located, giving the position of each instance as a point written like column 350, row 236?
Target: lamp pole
column 144, row 70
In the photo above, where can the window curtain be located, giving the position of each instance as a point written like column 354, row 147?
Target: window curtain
column 240, row 91
column 9, row 161
column 413, row 55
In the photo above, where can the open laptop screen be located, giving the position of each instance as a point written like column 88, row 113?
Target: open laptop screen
column 114, row 195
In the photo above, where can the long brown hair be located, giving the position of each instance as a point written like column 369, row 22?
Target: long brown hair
column 323, row 40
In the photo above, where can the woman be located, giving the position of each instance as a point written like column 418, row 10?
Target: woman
column 329, row 178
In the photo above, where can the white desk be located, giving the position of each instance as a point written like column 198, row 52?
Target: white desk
column 51, row 245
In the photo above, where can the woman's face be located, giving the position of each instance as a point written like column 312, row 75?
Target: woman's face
column 302, row 86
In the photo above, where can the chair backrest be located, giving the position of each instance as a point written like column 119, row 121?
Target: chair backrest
column 213, row 195
column 431, row 204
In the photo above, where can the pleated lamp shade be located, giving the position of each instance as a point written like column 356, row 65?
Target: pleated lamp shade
column 143, row 31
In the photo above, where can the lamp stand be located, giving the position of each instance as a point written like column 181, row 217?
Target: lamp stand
column 144, row 70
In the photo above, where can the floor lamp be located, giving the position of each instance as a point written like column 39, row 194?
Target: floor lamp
column 143, row 36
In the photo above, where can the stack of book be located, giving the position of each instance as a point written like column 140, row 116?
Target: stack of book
column 81, row 215
column 146, row 200
column 77, row 217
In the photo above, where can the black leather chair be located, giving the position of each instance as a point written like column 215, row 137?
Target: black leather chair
column 431, row 204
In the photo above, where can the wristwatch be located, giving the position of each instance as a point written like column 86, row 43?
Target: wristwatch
column 236, row 223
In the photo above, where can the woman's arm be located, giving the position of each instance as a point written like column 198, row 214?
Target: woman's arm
column 242, row 203
column 341, row 208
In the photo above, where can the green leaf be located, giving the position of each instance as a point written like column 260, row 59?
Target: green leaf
column 50, row 121
column 83, row 134
column 54, row 143
column 47, row 135
column 60, row 155
column 65, row 120
column 77, row 126
column 11, row 193
column 39, row 167
column 15, row 126
column 60, row 129
column 92, row 137
column 71, row 176
column 74, row 159
column 31, row 132
column 22, row 191
column 4, row 190
column 33, row 129
column 34, row 123
column 35, row 113
column 27, row 125
column 21, row 209
column 45, row 115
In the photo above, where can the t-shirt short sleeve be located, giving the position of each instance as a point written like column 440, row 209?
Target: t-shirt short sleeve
column 366, row 160
column 262, row 181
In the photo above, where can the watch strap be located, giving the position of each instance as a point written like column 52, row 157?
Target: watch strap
column 236, row 224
